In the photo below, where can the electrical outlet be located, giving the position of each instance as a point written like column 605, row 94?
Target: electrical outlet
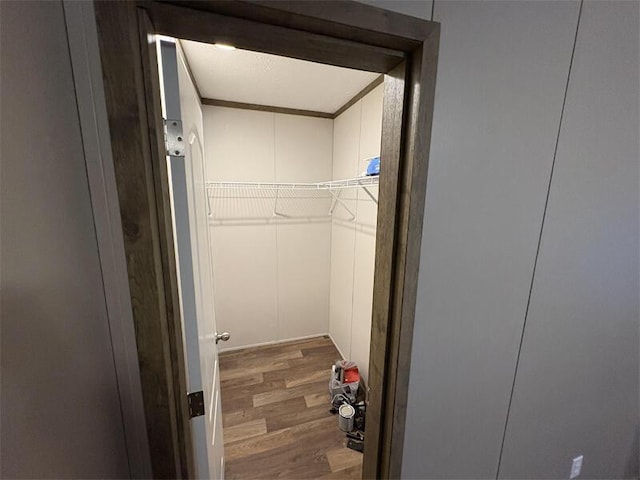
column 576, row 466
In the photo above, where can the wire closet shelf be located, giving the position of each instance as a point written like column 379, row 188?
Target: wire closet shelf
column 289, row 191
column 330, row 185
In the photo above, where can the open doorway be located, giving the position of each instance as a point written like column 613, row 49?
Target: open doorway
column 344, row 34
column 278, row 175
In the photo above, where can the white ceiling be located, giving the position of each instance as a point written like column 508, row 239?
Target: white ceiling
column 263, row 79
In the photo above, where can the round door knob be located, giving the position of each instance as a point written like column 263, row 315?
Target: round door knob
column 224, row 336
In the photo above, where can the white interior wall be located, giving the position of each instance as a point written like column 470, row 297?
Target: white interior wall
column 271, row 275
column 303, row 154
column 356, row 138
column 239, row 146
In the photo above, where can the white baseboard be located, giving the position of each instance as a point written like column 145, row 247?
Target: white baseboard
column 276, row 342
column 335, row 344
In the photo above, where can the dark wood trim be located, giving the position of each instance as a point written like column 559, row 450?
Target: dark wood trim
column 386, row 253
column 336, row 18
column 264, row 108
column 395, row 283
column 412, row 182
column 361, row 94
column 363, row 23
column 321, row 31
column 124, row 82
column 189, row 71
column 294, row 111
column 206, row 26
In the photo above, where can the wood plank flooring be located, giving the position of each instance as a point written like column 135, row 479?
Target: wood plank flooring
column 275, row 414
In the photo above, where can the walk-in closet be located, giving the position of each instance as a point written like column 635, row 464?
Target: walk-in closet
column 280, row 171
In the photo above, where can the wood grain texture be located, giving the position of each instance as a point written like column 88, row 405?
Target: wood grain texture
column 275, row 359
column 315, row 399
column 242, row 381
column 275, row 396
column 383, row 284
column 209, row 27
column 293, row 111
column 367, row 24
column 336, row 18
column 243, row 397
column 350, row 473
column 343, row 458
column 235, row 416
column 300, row 439
column 306, row 378
column 281, row 347
column 417, row 146
column 403, row 181
column 304, row 458
column 264, row 108
column 242, row 431
column 306, row 366
column 280, row 420
column 358, row 96
column 263, row 443
column 242, row 372
column 153, row 307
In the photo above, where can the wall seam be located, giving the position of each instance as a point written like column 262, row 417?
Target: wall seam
column 333, row 124
column 355, row 235
column 276, row 222
column 535, row 261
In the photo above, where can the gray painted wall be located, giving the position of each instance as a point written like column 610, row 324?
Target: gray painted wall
column 576, row 389
column 60, row 409
column 502, row 73
column 501, row 78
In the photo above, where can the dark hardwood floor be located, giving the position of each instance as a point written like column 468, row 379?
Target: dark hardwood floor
column 275, row 411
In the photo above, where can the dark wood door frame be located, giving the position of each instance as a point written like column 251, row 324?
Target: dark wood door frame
column 343, row 33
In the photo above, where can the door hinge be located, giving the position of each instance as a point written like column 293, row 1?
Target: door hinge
column 173, row 138
column 196, row 404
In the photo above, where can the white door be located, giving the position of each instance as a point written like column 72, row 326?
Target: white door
column 181, row 107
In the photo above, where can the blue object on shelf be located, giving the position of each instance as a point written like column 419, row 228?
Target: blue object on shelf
column 374, row 167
